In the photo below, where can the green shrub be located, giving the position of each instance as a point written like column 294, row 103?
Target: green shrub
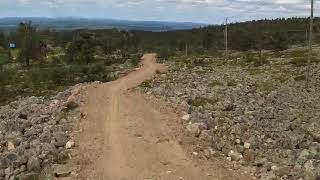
column 303, row 61
column 200, row 62
column 97, row 72
column 4, row 57
column 298, row 53
column 59, row 75
column 249, row 57
column 135, row 60
column 146, row 84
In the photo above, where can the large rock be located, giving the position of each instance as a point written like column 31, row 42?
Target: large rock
column 186, row 117
column 303, row 157
column 72, row 102
column 29, row 176
column 34, row 164
column 312, row 170
column 61, row 139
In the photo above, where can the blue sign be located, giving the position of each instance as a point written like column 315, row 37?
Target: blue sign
column 12, row 45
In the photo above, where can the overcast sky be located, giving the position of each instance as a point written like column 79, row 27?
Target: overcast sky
column 208, row 11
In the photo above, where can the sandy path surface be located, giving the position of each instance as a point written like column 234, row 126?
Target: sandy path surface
column 125, row 136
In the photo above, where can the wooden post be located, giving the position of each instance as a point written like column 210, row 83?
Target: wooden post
column 186, row 49
column 310, row 46
column 226, row 39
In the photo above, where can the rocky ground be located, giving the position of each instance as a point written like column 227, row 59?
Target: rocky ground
column 261, row 117
column 38, row 134
column 35, row 135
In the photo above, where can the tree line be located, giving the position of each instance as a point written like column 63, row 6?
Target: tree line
column 82, row 46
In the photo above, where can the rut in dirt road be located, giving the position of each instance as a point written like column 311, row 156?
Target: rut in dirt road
column 126, row 137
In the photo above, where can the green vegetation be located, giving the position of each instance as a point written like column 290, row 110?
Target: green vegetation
column 302, row 61
column 232, row 83
column 300, row 78
column 46, row 60
column 146, row 84
column 256, row 59
column 215, row 83
column 201, row 101
column 45, row 79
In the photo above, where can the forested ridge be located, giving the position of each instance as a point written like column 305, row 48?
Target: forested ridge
column 61, row 58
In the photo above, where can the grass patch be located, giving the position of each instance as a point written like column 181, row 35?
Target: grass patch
column 300, row 78
column 303, row 61
column 15, row 52
column 215, row 83
column 146, row 84
column 4, row 57
column 255, row 59
column 202, row 101
column 298, row 53
column 232, row 84
column 44, row 80
column 267, row 86
column 135, row 60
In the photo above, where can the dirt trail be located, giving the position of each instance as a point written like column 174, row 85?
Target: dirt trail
column 126, row 136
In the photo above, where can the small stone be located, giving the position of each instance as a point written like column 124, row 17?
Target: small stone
column 186, row 117
column 70, row 144
column 229, row 158
column 303, row 157
column 235, row 156
column 62, row 171
column 274, row 167
column 194, row 129
column 248, row 155
column 11, row 146
column 7, row 171
column 195, row 153
column 238, row 141
column 246, row 145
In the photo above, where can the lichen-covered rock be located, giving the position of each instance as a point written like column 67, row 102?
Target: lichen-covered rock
column 32, row 135
column 273, row 117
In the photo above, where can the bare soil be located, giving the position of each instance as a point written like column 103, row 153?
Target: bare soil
column 130, row 136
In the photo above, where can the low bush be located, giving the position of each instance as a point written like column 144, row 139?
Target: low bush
column 135, row 60
column 303, row 61
column 256, row 60
column 146, row 84
column 46, row 79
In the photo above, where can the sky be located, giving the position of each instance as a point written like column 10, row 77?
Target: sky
column 205, row 11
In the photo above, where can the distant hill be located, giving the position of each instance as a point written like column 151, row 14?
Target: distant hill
column 73, row 23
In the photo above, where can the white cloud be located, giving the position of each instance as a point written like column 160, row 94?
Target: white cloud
column 180, row 10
